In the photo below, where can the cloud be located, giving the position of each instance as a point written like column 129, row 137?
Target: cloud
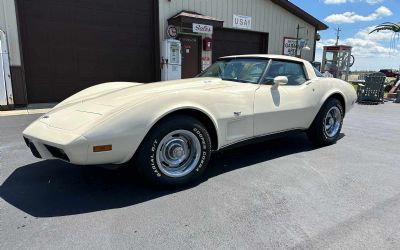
column 381, row 36
column 365, row 45
column 374, row 1
column 352, row 17
column 335, row 1
column 371, row 2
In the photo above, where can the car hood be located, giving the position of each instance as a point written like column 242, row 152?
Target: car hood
column 141, row 92
column 85, row 108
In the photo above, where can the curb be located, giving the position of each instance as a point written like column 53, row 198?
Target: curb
column 23, row 112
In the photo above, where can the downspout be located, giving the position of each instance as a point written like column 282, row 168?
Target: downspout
column 315, row 43
column 6, row 93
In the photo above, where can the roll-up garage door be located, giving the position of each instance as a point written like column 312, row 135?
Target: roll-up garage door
column 71, row 45
column 228, row 42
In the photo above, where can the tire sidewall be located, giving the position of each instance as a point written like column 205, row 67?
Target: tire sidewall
column 148, row 161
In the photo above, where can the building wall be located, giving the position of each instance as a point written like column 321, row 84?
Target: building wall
column 8, row 23
column 266, row 17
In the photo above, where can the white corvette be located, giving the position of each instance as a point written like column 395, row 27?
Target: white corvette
column 169, row 129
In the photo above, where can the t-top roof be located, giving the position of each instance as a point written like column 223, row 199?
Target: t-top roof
column 266, row 56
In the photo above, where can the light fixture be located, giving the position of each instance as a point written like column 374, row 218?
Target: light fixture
column 306, row 48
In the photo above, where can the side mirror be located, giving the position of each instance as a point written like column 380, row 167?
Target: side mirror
column 280, row 80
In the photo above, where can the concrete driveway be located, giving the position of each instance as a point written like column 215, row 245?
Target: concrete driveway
column 279, row 194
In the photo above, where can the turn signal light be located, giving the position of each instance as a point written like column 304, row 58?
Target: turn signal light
column 102, row 148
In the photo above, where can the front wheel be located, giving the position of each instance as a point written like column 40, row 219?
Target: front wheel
column 175, row 152
column 325, row 129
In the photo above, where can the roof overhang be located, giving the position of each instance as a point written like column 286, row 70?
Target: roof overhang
column 292, row 8
column 188, row 17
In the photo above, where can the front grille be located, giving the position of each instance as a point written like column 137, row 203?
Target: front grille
column 35, row 152
column 57, row 153
column 26, row 141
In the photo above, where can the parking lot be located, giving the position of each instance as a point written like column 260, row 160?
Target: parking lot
column 283, row 193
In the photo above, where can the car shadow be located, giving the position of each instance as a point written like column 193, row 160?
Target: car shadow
column 54, row 188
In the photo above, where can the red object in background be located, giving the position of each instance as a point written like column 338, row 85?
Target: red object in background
column 389, row 73
column 207, row 44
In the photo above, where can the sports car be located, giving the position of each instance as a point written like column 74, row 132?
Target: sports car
column 168, row 130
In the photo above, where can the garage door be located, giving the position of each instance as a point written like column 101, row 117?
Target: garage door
column 71, row 45
column 228, row 42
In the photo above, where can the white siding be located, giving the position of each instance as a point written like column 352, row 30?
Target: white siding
column 8, row 23
column 266, row 17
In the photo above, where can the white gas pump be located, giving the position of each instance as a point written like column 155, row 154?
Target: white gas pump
column 6, row 93
column 337, row 60
column 171, row 60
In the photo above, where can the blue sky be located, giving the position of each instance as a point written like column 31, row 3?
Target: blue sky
column 356, row 18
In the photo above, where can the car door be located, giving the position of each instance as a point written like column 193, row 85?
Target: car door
column 287, row 107
column 236, row 106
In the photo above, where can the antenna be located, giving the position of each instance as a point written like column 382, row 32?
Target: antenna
column 337, row 35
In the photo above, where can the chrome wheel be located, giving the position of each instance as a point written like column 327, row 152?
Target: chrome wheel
column 333, row 121
column 178, row 153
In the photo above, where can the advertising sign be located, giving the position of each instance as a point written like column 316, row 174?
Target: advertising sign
column 172, row 32
column 242, row 22
column 289, row 46
column 202, row 28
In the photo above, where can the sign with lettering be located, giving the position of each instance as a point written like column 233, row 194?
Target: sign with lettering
column 289, row 46
column 202, row 28
column 242, row 22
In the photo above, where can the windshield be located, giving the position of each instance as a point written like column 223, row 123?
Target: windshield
column 248, row 70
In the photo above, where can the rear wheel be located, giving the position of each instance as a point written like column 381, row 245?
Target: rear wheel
column 175, row 152
column 326, row 127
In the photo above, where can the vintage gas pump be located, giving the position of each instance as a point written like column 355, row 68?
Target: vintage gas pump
column 337, row 60
column 171, row 60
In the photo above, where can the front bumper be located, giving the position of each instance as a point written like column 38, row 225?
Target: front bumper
column 47, row 152
column 49, row 143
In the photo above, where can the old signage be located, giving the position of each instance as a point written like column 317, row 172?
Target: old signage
column 202, row 28
column 172, row 32
column 289, row 46
column 242, row 22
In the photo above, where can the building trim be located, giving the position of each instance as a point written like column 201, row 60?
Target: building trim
column 295, row 10
column 157, row 52
column 21, row 94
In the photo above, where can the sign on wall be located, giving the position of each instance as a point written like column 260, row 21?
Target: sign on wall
column 172, row 31
column 242, row 22
column 289, row 46
column 202, row 28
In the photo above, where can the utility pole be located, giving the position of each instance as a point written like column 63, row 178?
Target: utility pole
column 337, row 35
column 297, row 39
